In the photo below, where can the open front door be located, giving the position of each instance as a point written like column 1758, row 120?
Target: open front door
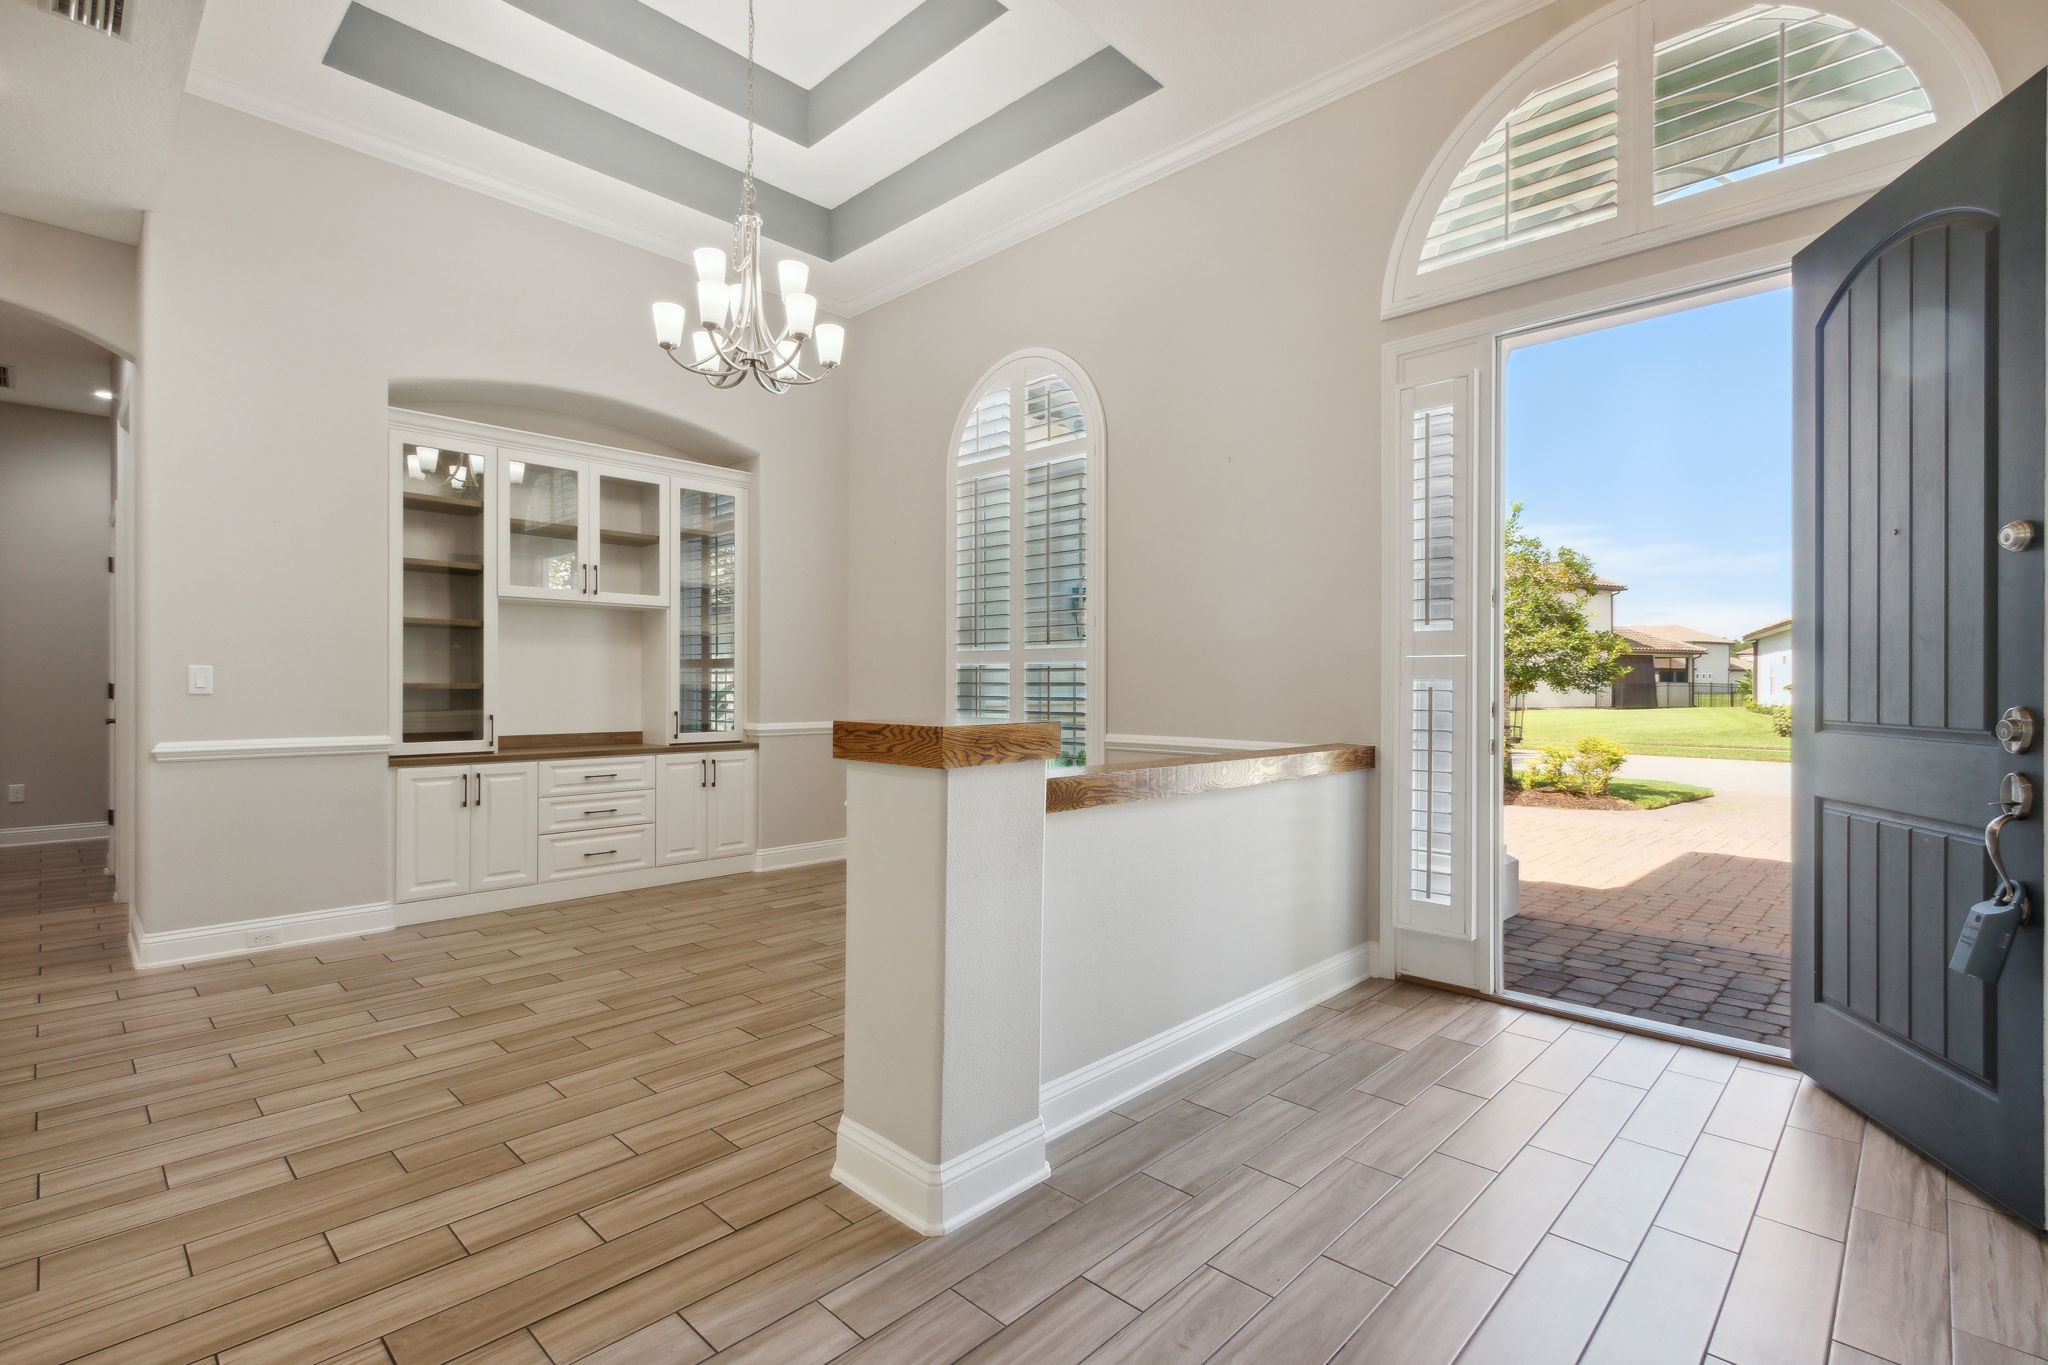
column 1920, row 435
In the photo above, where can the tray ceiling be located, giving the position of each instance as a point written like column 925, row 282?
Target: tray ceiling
column 898, row 139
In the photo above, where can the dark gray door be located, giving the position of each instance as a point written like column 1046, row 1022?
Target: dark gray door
column 1920, row 409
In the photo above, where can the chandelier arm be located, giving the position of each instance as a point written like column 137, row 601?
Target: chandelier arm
column 682, row 364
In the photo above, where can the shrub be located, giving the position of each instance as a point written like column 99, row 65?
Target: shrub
column 1583, row 769
column 1781, row 720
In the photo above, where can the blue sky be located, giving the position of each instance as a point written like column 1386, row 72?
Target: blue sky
column 1663, row 449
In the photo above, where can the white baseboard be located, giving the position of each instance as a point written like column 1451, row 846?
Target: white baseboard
column 53, row 834
column 944, row 1198
column 240, row 938
column 236, row 939
column 1080, row 1095
column 1175, row 744
column 800, row 855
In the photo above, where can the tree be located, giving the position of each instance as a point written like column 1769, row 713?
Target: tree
column 1548, row 640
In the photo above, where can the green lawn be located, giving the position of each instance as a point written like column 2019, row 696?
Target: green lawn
column 1653, row 795
column 1673, row 732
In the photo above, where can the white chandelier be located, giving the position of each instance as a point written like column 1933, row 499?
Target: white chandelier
column 733, row 338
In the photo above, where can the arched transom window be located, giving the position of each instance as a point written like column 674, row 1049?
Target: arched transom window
column 1027, row 469
column 1659, row 119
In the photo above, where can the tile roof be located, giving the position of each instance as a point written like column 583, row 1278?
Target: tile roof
column 1647, row 641
column 1689, row 634
column 1772, row 629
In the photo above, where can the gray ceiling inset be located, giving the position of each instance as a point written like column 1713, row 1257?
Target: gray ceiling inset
column 399, row 58
column 684, row 57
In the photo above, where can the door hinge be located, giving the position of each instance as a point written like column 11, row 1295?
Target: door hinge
column 110, row 691
column 110, row 563
column 110, row 817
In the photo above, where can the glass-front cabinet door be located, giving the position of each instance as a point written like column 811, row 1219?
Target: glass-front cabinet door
column 446, row 611
column 627, row 560
column 543, row 543
column 707, row 609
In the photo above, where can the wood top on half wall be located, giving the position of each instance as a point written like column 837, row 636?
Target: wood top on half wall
column 1116, row 783
column 945, row 744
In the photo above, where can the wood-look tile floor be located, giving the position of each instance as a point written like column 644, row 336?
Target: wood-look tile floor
column 601, row 1131
column 39, row 877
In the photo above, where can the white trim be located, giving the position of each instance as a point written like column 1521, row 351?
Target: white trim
column 540, row 443
column 1959, row 79
column 778, row 729
column 304, row 746
column 206, row 941
column 943, row 1198
column 53, row 834
column 800, row 855
column 1174, row 744
column 574, row 889
column 1080, row 1095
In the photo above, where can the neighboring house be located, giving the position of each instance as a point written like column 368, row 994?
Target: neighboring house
column 1599, row 616
column 1661, row 669
column 1715, row 665
column 1773, row 647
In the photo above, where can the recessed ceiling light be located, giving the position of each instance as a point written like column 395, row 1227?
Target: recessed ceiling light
column 103, row 393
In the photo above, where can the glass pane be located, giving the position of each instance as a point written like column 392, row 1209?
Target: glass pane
column 545, row 511
column 981, row 562
column 982, row 692
column 628, row 536
column 442, row 545
column 1060, row 692
column 707, row 590
column 1056, row 553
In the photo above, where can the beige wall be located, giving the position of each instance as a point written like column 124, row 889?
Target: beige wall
column 286, row 284
column 85, row 283
column 55, row 497
column 1243, row 506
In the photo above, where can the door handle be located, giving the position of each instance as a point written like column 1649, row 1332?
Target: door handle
column 465, row 791
column 598, row 777
column 703, row 779
column 1985, row 940
column 714, row 771
column 2015, row 802
column 479, row 791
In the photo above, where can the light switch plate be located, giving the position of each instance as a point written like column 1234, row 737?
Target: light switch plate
column 17, row 793
column 199, row 680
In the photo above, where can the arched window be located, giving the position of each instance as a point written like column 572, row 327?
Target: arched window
column 1661, row 119
column 1027, row 471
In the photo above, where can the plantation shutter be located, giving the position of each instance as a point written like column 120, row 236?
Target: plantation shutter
column 1023, row 575
column 1550, row 166
column 1772, row 86
column 1442, row 746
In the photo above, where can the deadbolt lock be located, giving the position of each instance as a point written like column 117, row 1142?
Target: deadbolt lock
column 2015, row 730
column 2017, row 535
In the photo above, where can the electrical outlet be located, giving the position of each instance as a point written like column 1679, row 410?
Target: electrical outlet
column 263, row 938
column 17, row 793
column 199, row 680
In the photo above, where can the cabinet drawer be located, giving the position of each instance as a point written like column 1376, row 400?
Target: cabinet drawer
column 565, row 857
column 596, row 775
column 598, row 810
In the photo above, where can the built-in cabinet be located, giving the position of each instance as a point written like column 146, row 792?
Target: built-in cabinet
column 707, row 806
column 484, row 515
column 466, row 829
column 503, row 543
column 493, row 826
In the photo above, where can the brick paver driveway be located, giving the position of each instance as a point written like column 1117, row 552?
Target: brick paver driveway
column 1681, row 915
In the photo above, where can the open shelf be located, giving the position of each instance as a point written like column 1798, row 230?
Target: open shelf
column 706, row 531
column 435, row 502
column 443, row 621
column 444, row 687
column 447, row 566
column 611, row 537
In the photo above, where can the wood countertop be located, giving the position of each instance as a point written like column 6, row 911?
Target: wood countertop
column 1113, row 784
column 546, row 748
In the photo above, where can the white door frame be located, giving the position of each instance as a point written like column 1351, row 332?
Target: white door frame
column 1458, row 942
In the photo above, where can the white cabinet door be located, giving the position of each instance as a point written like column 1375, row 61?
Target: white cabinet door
column 542, row 516
column 682, row 791
column 628, row 518
column 433, row 832
column 503, row 840
column 731, row 811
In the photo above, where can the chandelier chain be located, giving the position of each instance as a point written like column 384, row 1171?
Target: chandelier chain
column 747, row 181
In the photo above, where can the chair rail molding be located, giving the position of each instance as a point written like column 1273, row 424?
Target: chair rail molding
column 303, row 746
column 52, row 834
